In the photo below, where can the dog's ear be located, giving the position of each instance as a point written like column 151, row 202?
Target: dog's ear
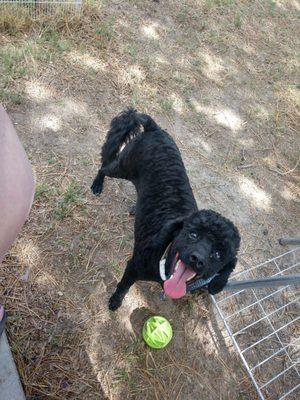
column 167, row 233
column 233, row 239
column 219, row 282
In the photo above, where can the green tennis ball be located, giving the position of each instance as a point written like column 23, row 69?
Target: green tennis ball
column 157, row 332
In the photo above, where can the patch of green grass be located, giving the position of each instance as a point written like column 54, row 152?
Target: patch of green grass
column 216, row 38
column 86, row 163
column 134, row 351
column 45, row 192
column 72, row 193
column 64, row 45
column 41, row 190
column 11, row 97
column 183, row 15
column 121, row 375
column 132, row 51
column 272, row 7
column 115, row 267
column 280, row 131
column 167, row 105
column 200, row 117
column 12, row 61
column 105, row 31
column 53, row 39
column 71, row 198
column 134, row 387
column 50, row 36
column 190, row 41
column 52, row 160
column 237, row 21
column 55, row 341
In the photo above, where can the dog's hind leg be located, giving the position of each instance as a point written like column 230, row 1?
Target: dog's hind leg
column 132, row 210
column 113, row 170
column 128, row 279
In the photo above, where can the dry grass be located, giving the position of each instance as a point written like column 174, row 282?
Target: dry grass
column 221, row 76
column 20, row 20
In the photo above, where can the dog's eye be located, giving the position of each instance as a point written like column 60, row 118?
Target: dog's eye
column 193, row 235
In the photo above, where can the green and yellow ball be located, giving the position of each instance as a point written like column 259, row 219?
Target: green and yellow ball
column 157, row 332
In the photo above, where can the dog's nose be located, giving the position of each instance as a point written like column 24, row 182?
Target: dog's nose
column 197, row 259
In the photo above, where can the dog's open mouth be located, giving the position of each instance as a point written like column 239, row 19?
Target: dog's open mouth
column 176, row 285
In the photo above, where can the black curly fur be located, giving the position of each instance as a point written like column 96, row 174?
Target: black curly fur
column 166, row 210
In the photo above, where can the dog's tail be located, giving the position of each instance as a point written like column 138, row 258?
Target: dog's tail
column 123, row 128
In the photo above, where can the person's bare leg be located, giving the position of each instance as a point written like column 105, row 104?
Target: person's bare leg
column 16, row 186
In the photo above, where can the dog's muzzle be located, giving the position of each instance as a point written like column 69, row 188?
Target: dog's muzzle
column 182, row 280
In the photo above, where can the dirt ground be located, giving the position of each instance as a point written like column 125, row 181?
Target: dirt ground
column 221, row 77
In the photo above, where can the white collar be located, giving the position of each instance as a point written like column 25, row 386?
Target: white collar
column 162, row 263
column 162, row 269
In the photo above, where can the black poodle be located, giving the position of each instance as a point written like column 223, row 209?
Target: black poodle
column 196, row 243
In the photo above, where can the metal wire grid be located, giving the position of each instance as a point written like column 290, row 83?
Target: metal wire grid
column 264, row 325
column 34, row 7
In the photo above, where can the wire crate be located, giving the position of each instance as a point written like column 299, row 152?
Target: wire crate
column 264, row 326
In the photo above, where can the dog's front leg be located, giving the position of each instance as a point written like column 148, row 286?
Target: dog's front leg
column 128, row 279
column 97, row 185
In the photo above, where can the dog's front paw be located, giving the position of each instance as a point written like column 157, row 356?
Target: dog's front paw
column 216, row 286
column 114, row 302
column 97, row 187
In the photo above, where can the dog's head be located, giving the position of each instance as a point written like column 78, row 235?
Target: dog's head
column 204, row 243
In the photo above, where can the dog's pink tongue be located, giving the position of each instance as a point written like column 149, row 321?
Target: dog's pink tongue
column 175, row 287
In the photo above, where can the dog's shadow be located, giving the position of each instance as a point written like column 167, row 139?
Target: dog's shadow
column 138, row 318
